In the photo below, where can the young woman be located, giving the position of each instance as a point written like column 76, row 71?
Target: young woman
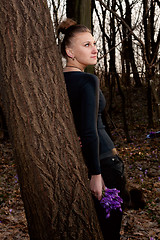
column 87, row 103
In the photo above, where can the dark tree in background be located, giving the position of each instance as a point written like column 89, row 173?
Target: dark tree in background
column 112, row 78
column 137, row 41
column 52, row 174
column 128, row 57
column 80, row 11
column 152, row 43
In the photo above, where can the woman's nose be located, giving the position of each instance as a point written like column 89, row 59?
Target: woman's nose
column 94, row 49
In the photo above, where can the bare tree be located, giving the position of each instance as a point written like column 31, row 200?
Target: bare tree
column 128, row 58
column 149, row 46
column 114, row 78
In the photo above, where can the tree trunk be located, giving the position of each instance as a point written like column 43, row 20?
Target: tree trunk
column 156, row 97
column 113, row 70
column 149, row 69
column 149, row 100
column 52, row 174
column 3, row 127
column 129, row 52
column 80, row 10
column 125, row 124
column 134, row 68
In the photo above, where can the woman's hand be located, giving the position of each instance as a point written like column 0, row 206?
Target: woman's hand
column 97, row 185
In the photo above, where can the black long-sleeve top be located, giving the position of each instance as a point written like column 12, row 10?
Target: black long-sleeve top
column 87, row 103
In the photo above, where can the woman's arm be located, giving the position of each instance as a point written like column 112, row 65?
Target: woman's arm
column 89, row 134
column 88, row 122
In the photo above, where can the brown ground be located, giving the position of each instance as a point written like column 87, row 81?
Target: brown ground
column 142, row 164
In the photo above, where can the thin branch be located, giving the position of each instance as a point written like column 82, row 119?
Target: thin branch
column 158, row 2
column 128, row 27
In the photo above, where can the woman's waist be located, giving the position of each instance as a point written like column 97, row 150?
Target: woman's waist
column 106, row 154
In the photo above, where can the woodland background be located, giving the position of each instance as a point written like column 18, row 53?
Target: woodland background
column 128, row 36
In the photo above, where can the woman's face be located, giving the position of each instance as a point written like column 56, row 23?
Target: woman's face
column 83, row 49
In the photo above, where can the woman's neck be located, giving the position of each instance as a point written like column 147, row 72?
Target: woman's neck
column 70, row 67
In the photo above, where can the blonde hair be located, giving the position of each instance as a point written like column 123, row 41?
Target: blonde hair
column 70, row 28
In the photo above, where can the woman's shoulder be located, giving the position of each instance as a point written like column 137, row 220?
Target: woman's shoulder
column 91, row 76
column 80, row 74
column 82, row 78
column 91, row 79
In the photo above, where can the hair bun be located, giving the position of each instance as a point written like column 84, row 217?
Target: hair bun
column 65, row 25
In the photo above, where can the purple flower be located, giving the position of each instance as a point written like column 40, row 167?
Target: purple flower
column 111, row 200
column 16, row 176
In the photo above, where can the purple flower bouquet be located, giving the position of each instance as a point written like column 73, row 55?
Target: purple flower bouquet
column 111, row 200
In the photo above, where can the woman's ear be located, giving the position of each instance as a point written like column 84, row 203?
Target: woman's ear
column 69, row 53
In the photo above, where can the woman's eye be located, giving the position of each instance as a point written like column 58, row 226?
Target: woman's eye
column 88, row 44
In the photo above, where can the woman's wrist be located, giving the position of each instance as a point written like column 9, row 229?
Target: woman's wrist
column 96, row 177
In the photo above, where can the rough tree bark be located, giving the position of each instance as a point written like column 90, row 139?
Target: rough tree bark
column 51, row 171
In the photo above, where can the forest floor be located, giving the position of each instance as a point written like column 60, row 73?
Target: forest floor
column 142, row 163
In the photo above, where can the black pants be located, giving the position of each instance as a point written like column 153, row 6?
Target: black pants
column 112, row 170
